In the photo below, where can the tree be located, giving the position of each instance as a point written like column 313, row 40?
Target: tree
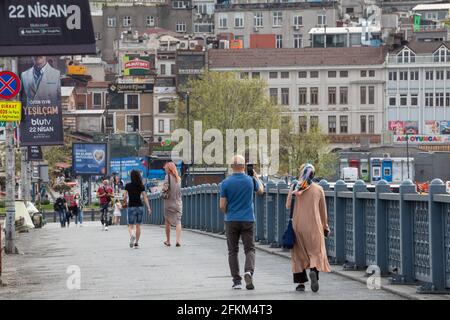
column 56, row 154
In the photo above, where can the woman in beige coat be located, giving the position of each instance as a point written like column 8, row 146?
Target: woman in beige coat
column 310, row 226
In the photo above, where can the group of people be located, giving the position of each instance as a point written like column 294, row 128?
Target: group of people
column 69, row 206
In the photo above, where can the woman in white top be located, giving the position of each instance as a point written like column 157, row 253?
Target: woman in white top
column 117, row 212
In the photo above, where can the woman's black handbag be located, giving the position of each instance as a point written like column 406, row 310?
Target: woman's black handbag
column 289, row 235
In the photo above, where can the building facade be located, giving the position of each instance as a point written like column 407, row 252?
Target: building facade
column 340, row 90
column 418, row 94
column 274, row 25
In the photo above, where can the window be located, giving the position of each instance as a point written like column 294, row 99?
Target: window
column 343, row 74
column 314, row 122
column 256, row 75
column 150, row 21
column 223, row 21
column 277, row 18
column 298, row 41
column 371, row 73
column 448, row 75
column 343, row 95
column 363, row 73
column 392, row 75
column 132, row 123
column 331, row 74
column 172, row 125
column 173, row 69
column 321, row 19
column 406, row 56
column 428, row 99
column 273, row 75
column 164, row 106
column 161, row 126
column 314, row 74
column 363, row 95
column 314, row 99
column 440, row 75
column 284, row 75
column 363, row 124
column 98, row 36
column 331, row 124
column 273, row 93
column 302, row 74
column 244, row 75
column 371, row 124
column 279, row 41
column 132, row 101
column 126, row 21
column 180, row 27
column 414, row 75
column 371, row 95
column 238, row 20
column 258, row 19
column 110, row 121
column 180, row 4
column 302, row 124
column 414, row 100
column 285, row 96
column 442, row 55
column 112, row 22
column 343, row 124
column 403, row 100
column 332, row 95
column 429, row 75
column 298, row 21
column 447, row 99
column 96, row 100
column 439, row 99
column 302, row 92
column 163, row 69
column 403, row 75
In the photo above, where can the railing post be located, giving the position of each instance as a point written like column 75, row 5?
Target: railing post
column 221, row 225
column 259, row 213
column 339, row 221
column 208, row 209
column 214, row 208
column 202, row 207
column 437, row 248
column 359, row 243
column 270, row 213
column 381, row 227
column 189, row 203
column 281, row 216
column 406, row 236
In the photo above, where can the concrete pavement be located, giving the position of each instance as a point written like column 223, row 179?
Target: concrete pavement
column 111, row 270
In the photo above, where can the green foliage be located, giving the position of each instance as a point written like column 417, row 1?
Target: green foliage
column 55, row 154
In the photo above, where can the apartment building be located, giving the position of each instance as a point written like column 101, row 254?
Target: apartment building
column 418, row 94
column 273, row 25
column 340, row 90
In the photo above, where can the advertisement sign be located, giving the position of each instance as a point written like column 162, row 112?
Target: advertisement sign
column 131, row 87
column 89, row 158
column 76, row 70
column 35, row 153
column 236, row 44
column 137, row 65
column 10, row 111
column 444, row 127
column 42, row 122
column 46, row 27
column 431, row 127
column 123, row 166
column 397, row 127
column 422, row 139
column 411, row 127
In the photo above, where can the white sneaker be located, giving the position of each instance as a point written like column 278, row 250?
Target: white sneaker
column 237, row 286
column 106, row 228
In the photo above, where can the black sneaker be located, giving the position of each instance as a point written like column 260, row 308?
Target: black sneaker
column 136, row 245
column 314, row 281
column 249, row 281
column 237, row 285
column 300, row 287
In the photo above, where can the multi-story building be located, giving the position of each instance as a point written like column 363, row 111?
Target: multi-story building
column 273, row 25
column 340, row 90
column 418, row 94
column 203, row 17
column 175, row 15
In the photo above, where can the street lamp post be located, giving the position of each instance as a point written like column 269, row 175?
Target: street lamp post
column 188, row 111
column 407, row 153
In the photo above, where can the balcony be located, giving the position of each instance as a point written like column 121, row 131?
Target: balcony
column 419, row 60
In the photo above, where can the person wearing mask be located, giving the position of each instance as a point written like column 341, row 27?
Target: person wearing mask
column 236, row 202
column 310, row 225
column 79, row 210
column 117, row 212
column 173, row 204
column 134, row 196
column 105, row 194
column 61, row 208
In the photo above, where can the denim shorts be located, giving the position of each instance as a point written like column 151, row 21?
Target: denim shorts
column 135, row 215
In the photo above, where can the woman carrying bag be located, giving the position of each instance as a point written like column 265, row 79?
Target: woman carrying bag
column 172, row 202
column 309, row 222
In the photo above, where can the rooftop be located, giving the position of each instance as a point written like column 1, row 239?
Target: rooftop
column 343, row 30
column 420, row 47
column 259, row 58
column 275, row 5
column 433, row 6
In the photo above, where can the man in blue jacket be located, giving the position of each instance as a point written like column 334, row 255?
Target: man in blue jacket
column 236, row 202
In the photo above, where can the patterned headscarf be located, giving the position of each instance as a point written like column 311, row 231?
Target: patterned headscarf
column 305, row 178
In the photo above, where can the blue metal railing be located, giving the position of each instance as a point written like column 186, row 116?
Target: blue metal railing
column 406, row 234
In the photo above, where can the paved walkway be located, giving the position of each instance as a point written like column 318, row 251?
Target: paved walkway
column 111, row 270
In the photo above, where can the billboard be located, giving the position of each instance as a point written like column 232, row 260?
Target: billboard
column 137, row 65
column 397, row 127
column 46, row 27
column 90, row 158
column 411, row 127
column 444, row 127
column 35, row 153
column 431, row 127
column 123, row 166
column 42, row 122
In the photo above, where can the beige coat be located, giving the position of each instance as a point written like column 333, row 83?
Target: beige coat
column 309, row 222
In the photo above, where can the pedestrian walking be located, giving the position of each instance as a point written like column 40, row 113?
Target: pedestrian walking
column 105, row 195
column 173, row 205
column 68, row 197
column 236, row 202
column 79, row 210
column 117, row 212
column 134, row 197
column 60, row 207
column 310, row 226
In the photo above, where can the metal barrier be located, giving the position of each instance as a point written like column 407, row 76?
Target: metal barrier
column 405, row 234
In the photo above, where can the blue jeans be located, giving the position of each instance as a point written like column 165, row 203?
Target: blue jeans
column 79, row 216
column 62, row 217
column 135, row 215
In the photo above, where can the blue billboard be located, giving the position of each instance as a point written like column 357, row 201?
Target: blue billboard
column 123, row 166
column 89, row 158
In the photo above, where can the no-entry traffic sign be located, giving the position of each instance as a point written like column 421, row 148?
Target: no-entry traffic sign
column 9, row 85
